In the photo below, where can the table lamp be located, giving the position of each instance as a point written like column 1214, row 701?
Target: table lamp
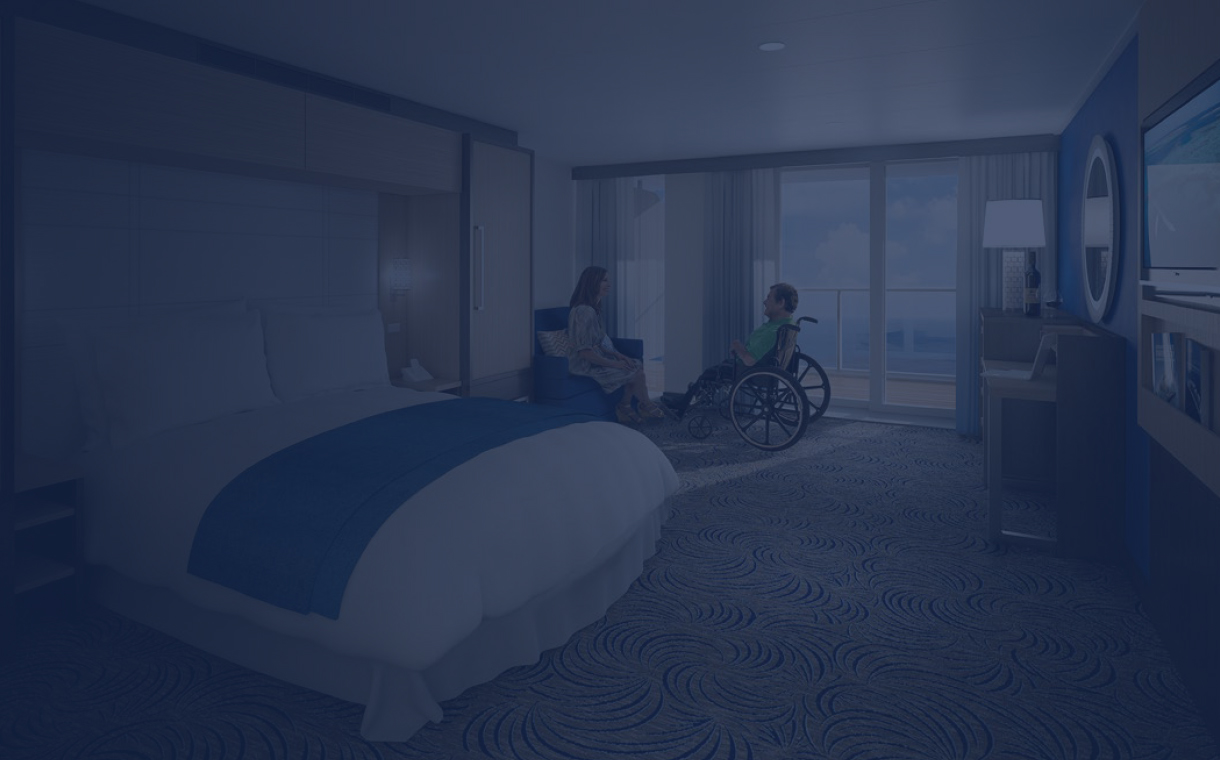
column 1014, row 226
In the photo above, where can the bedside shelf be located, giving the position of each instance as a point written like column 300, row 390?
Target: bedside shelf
column 44, row 524
column 34, row 571
column 40, row 512
column 435, row 384
column 1194, row 443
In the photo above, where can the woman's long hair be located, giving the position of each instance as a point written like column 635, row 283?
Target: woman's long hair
column 587, row 288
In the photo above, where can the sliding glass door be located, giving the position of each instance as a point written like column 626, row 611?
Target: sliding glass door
column 872, row 251
column 920, row 285
column 825, row 254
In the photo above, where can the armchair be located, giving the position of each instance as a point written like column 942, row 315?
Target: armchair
column 554, row 385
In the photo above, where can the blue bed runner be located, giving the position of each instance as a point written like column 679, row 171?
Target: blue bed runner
column 290, row 529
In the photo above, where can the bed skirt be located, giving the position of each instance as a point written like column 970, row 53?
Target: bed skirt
column 398, row 702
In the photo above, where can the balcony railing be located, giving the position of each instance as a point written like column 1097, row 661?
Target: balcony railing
column 917, row 347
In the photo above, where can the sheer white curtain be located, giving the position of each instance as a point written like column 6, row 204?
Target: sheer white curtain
column 742, row 234
column 604, row 233
column 979, row 271
column 622, row 221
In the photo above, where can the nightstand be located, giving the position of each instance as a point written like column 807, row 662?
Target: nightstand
column 48, row 564
column 435, row 384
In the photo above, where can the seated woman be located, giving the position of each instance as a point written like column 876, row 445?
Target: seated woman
column 592, row 353
column 778, row 308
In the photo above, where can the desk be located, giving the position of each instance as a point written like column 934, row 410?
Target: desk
column 996, row 390
column 1082, row 450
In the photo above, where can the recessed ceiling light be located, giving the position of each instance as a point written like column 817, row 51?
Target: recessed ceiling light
column 771, row 47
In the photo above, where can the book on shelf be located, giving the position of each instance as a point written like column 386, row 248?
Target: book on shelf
column 1166, row 348
column 1197, row 382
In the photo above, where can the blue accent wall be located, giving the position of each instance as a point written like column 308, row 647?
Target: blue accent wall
column 1111, row 110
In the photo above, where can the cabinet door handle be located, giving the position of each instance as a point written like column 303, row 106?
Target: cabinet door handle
column 481, row 262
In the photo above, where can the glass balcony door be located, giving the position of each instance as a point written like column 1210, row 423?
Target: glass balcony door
column 872, row 251
column 920, row 284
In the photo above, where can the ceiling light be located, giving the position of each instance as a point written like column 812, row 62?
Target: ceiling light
column 771, row 47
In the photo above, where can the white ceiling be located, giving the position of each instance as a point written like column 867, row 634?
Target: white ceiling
column 587, row 82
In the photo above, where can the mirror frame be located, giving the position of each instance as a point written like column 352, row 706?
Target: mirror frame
column 1100, row 154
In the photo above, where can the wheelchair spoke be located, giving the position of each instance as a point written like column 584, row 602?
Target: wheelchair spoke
column 814, row 382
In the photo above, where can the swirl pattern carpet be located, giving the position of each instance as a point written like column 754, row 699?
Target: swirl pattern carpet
column 835, row 600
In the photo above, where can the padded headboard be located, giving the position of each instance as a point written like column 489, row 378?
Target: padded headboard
column 100, row 238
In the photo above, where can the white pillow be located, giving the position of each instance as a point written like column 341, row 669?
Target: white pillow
column 554, row 342
column 164, row 374
column 320, row 352
column 78, row 339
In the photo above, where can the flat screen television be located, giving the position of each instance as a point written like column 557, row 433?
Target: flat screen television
column 1181, row 162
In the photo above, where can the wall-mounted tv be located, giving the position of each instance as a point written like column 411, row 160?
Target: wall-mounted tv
column 1181, row 151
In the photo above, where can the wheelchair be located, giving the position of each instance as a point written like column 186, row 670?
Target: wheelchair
column 769, row 404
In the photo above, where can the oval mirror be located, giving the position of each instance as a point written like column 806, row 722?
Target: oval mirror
column 1099, row 229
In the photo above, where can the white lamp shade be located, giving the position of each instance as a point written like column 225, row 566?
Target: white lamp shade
column 400, row 274
column 1014, row 224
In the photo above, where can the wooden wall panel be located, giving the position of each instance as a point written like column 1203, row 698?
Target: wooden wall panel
column 353, row 141
column 75, row 86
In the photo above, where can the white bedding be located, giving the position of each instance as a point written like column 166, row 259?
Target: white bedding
column 510, row 526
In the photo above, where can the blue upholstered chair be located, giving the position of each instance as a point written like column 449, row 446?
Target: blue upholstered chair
column 554, row 385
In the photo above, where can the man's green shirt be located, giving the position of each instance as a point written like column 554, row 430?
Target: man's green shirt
column 762, row 340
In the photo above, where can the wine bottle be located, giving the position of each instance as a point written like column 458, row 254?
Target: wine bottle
column 1033, row 282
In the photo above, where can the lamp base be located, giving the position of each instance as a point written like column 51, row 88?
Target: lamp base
column 1014, row 280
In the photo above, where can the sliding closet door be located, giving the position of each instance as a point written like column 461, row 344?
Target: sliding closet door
column 500, row 256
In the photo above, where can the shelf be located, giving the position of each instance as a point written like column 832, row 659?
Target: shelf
column 1186, row 439
column 31, row 514
column 435, row 384
column 1190, row 443
column 1200, row 322
column 31, row 472
column 33, row 571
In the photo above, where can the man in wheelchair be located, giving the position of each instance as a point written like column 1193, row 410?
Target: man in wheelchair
column 778, row 308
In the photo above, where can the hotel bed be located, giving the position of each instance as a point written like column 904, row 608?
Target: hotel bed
column 498, row 558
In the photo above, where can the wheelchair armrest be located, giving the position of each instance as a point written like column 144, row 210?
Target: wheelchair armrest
column 633, row 347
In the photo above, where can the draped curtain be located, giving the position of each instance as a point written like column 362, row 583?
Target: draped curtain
column 624, row 224
column 741, row 232
column 741, row 238
column 611, row 241
column 979, row 270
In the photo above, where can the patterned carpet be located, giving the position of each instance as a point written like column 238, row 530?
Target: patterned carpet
column 835, row 600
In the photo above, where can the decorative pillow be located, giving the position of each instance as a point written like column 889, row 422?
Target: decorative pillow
column 79, row 337
column 164, row 374
column 309, row 353
column 554, row 342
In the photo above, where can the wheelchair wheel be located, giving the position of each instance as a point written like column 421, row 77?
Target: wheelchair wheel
column 814, row 382
column 768, row 408
column 700, row 427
